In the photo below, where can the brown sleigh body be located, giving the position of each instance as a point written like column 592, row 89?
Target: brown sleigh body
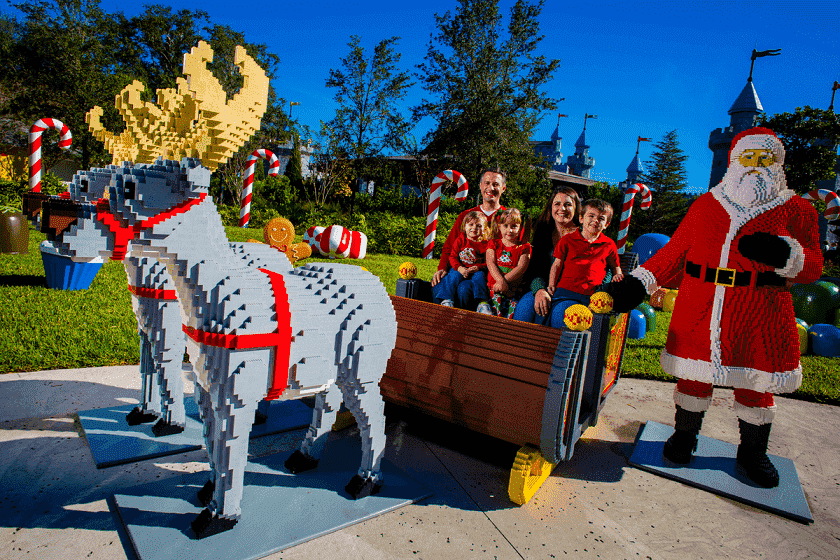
column 526, row 384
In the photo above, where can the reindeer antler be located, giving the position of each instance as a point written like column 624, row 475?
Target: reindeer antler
column 194, row 121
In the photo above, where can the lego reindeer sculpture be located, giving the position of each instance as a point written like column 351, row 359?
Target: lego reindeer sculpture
column 255, row 326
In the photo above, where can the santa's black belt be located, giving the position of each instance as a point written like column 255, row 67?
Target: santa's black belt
column 730, row 277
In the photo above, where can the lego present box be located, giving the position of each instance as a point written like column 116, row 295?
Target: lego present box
column 64, row 274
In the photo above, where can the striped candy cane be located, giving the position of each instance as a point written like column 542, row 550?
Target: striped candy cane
column 832, row 202
column 627, row 209
column 434, row 205
column 35, row 147
column 248, row 184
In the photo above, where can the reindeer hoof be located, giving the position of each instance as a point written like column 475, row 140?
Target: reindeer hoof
column 137, row 416
column 359, row 487
column 207, row 524
column 260, row 418
column 163, row 428
column 298, row 462
column 205, row 495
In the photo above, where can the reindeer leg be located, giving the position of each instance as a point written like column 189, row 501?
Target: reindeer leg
column 235, row 398
column 323, row 417
column 169, row 345
column 208, row 418
column 364, row 401
column 149, row 409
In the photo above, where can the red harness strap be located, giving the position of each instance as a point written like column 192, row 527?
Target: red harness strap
column 153, row 293
column 125, row 234
column 281, row 338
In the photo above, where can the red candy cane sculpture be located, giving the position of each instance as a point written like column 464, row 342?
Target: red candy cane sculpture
column 627, row 209
column 832, row 202
column 434, row 205
column 248, row 183
column 35, row 147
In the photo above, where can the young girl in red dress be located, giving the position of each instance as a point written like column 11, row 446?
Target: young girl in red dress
column 507, row 261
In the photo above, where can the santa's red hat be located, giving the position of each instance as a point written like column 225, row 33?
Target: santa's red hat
column 758, row 138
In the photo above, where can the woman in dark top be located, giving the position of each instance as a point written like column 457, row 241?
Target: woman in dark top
column 558, row 218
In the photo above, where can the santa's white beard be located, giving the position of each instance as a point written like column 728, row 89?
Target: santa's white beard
column 753, row 187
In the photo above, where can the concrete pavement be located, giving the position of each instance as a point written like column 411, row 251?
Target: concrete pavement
column 54, row 500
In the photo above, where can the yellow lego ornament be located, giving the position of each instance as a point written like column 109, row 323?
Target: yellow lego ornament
column 669, row 301
column 803, row 339
column 601, row 302
column 578, row 317
column 408, row 270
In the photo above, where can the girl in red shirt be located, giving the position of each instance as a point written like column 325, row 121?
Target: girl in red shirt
column 466, row 281
column 507, row 261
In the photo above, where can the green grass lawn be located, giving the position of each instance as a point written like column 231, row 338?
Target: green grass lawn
column 51, row 329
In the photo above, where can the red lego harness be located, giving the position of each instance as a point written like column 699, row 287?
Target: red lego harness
column 124, row 234
column 153, row 293
column 280, row 339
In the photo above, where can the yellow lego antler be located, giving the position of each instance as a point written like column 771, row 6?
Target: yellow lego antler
column 194, row 121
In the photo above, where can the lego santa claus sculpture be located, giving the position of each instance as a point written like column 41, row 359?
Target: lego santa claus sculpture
column 739, row 248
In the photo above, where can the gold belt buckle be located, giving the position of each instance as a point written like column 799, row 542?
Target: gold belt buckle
column 727, row 283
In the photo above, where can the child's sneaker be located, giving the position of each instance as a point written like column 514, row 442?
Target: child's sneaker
column 447, row 303
column 484, row 308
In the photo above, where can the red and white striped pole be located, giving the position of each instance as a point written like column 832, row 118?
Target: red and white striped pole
column 248, row 183
column 434, row 205
column 627, row 209
column 35, row 147
column 832, row 202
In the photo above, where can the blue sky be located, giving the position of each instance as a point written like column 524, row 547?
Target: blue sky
column 643, row 67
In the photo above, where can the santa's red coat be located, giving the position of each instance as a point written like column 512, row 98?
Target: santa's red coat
column 743, row 337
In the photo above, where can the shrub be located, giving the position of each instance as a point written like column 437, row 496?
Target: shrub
column 11, row 192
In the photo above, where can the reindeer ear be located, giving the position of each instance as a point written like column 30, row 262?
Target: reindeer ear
column 198, row 176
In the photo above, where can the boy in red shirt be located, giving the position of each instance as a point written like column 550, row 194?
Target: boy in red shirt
column 581, row 260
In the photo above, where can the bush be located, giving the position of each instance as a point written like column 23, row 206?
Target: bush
column 260, row 214
column 11, row 192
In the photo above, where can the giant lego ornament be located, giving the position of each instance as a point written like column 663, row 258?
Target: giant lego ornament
column 255, row 327
column 740, row 246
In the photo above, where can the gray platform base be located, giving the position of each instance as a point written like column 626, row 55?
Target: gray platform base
column 280, row 510
column 113, row 442
column 713, row 468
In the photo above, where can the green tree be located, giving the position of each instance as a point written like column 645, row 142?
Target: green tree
column 486, row 93
column 367, row 91
column 615, row 196
column 151, row 45
column 666, row 180
column 293, row 169
column 810, row 137
column 332, row 171
column 57, row 63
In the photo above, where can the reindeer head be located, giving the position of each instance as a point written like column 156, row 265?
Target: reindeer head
column 162, row 161
column 138, row 196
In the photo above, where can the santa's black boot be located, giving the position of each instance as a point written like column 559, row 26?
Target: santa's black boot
column 752, row 459
column 683, row 442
